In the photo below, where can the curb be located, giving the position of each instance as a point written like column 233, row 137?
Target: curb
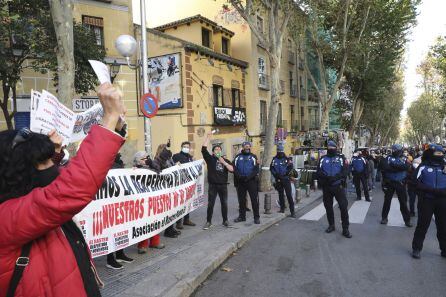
column 187, row 286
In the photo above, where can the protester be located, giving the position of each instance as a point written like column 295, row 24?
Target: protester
column 184, row 157
column 281, row 167
column 112, row 262
column 37, row 221
column 246, row 170
column 218, row 168
column 431, row 187
column 370, row 169
column 141, row 160
column 332, row 172
column 394, row 174
column 359, row 171
column 411, row 185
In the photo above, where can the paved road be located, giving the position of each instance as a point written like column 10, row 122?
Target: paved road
column 296, row 258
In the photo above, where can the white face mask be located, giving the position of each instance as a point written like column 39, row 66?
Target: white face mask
column 406, row 154
column 415, row 165
column 185, row 150
column 356, row 154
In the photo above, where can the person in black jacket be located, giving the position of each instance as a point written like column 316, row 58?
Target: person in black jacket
column 218, row 168
column 281, row 167
column 184, row 157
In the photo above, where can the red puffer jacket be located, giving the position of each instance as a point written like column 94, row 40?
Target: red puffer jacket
column 53, row 270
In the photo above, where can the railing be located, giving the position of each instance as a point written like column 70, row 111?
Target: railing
column 291, row 57
column 293, row 90
column 282, row 87
column 263, row 81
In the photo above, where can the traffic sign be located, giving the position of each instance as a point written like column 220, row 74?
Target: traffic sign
column 149, row 105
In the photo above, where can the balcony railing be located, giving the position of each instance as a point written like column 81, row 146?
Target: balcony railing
column 291, row 57
column 282, row 87
column 293, row 90
column 263, row 81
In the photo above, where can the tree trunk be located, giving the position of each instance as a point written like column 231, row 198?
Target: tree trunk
column 4, row 105
column 325, row 114
column 358, row 107
column 62, row 14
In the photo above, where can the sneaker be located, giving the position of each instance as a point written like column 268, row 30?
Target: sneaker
column 159, row 246
column 408, row 224
column 239, row 219
column 416, row 254
column 112, row 264
column 346, row 233
column 123, row 258
column 384, row 221
column 177, row 232
column 207, row 226
column 330, row 229
column 142, row 251
column 170, row 234
column 189, row 223
column 226, row 224
column 256, row 221
column 180, row 225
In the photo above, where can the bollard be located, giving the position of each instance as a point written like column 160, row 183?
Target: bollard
column 267, row 203
column 298, row 194
column 307, row 191
column 315, row 185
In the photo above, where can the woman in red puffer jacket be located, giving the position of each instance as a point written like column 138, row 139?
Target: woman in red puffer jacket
column 41, row 215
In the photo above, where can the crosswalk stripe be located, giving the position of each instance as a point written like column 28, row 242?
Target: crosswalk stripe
column 395, row 218
column 316, row 213
column 358, row 211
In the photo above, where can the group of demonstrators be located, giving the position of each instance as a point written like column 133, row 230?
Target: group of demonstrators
column 416, row 172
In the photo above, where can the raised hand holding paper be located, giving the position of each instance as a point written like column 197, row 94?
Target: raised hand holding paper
column 101, row 71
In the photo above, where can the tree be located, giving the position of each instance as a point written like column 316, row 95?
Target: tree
column 425, row 119
column 278, row 14
column 28, row 41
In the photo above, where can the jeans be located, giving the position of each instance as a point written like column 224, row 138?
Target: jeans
column 390, row 188
column 251, row 187
column 222, row 191
column 337, row 192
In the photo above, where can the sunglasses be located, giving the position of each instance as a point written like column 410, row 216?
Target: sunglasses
column 22, row 135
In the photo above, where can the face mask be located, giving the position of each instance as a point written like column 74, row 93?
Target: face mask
column 331, row 152
column 218, row 155
column 415, row 165
column 185, row 150
column 246, row 151
column 355, row 154
column 44, row 177
column 281, row 155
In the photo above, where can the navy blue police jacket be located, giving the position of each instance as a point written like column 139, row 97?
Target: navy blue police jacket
column 246, row 167
column 431, row 179
column 281, row 167
column 332, row 170
column 358, row 165
column 396, row 168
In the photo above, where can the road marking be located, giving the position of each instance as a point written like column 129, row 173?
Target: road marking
column 358, row 211
column 395, row 217
column 316, row 213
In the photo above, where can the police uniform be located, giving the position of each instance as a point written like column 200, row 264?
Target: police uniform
column 280, row 168
column 331, row 172
column 246, row 170
column 359, row 171
column 395, row 173
column 431, row 188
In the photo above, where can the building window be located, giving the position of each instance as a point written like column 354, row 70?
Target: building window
column 292, row 114
column 260, row 24
column 263, row 116
column 262, row 65
column 218, row 95
column 279, row 115
column 205, row 37
column 236, row 98
column 96, row 25
column 225, row 46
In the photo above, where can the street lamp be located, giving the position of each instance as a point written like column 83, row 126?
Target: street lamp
column 126, row 46
column 115, row 67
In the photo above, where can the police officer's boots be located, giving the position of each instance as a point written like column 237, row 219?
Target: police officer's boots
column 346, row 233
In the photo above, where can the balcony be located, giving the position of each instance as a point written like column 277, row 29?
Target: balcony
column 282, row 87
column 293, row 91
column 291, row 57
column 294, row 126
column 263, row 81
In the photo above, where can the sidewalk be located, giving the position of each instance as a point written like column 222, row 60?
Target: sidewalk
column 188, row 260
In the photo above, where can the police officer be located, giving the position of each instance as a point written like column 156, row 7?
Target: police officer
column 332, row 171
column 431, row 187
column 359, row 170
column 281, row 167
column 246, row 171
column 395, row 172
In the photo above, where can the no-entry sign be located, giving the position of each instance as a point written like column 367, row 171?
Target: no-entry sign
column 149, row 105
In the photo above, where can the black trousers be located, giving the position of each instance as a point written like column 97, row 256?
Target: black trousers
column 359, row 179
column 222, row 191
column 284, row 188
column 389, row 189
column 251, row 187
column 427, row 208
column 338, row 192
column 412, row 197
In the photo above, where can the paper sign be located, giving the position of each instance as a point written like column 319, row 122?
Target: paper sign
column 101, row 71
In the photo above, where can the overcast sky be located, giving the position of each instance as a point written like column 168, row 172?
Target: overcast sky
column 431, row 23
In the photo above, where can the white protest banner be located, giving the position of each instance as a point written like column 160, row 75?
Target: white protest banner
column 47, row 113
column 136, row 204
column 101, row 71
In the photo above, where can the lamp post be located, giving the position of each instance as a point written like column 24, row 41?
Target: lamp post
column 126, row 45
